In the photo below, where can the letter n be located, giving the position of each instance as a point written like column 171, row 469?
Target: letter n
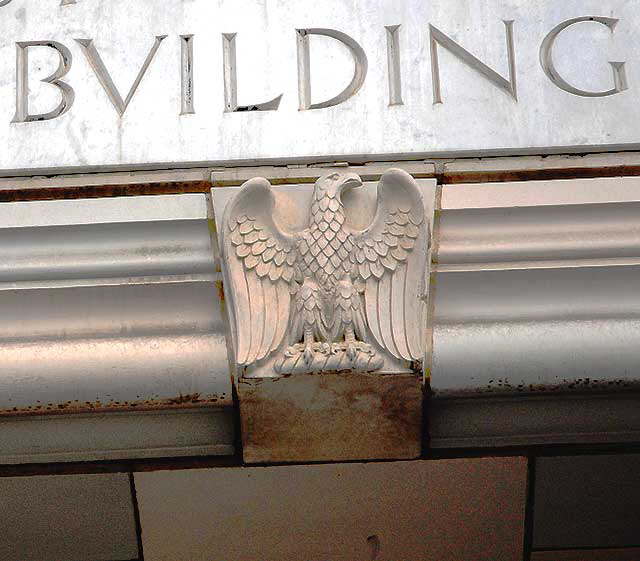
column 436, row 37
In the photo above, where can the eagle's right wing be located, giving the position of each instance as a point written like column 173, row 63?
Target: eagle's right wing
column 261, row 261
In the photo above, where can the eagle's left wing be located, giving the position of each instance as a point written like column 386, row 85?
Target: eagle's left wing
column 390, row 256
column 261, row 263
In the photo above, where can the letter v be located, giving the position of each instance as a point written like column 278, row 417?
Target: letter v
column 95, row 60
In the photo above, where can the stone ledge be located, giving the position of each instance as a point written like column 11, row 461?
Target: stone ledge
column 548, row 419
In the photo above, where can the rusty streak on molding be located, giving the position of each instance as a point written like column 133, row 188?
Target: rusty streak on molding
column 496, row 176
column 192, row 401
column 573, row 170
column 9, row 194
column 582, row 386
column 311, row 179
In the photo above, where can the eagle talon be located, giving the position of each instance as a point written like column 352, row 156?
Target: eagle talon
column 308, row 354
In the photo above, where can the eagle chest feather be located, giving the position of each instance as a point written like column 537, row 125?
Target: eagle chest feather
column 324, row 248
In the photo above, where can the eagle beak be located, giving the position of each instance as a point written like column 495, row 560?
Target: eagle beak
column 352, row 180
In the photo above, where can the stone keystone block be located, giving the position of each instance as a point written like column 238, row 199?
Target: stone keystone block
column 326, row 290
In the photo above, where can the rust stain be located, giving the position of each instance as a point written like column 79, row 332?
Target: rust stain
column 449, row 178
column 220, row 289
column 501, row 386
column 273, row 180
column 189, row 401
column 99, row 191
column 335, row 416
column 311, row 179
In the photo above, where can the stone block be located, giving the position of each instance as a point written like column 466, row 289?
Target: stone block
column 587, row 502
column 331, row 417
column 449, row 510
column 55, row 518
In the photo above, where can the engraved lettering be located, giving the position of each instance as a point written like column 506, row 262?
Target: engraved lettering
column 304, row 68
column 437, row 37
column 231, row 81
column 62, row 2
column 22, row 82
column 188, row 107
column 546, row 60
column 504, row 79
column 95, row 60
column 393, row 58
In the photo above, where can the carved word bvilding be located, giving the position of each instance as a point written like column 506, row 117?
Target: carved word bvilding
column 438, row 40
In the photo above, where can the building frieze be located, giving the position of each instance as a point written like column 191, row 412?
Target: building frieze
column 198, row 83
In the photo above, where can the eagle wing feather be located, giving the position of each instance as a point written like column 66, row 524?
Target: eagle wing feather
column 390, row 257
column 261, row 257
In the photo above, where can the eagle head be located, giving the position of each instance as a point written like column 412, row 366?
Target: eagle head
column 335, row 184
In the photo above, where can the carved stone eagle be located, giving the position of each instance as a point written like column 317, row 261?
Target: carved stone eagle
column 328, row 298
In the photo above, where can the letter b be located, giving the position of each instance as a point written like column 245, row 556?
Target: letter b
column 22, row 82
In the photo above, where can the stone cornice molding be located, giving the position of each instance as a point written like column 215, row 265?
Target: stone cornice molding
column 536, row 287
column 536, row 323
column 110, row 306
column 532, row 302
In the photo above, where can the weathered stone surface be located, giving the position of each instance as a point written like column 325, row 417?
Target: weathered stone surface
column 460, row 102
column 450, row 510
column 554, row 418
column 88, row 517
column 302, row 173
column 587, row 502
column 331, row 417
column 588, row 555
column 536, row 288
column 522, row 168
